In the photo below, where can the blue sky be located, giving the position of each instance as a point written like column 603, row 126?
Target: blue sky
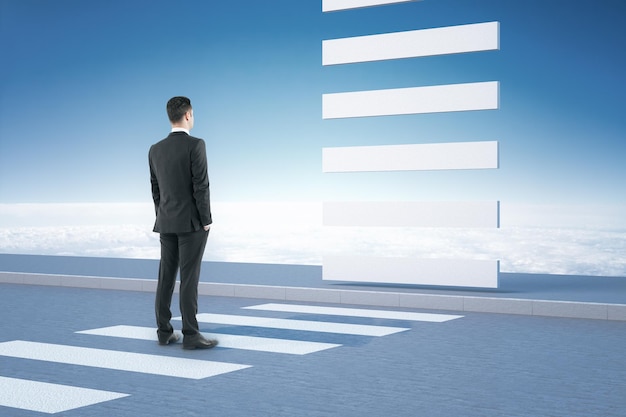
column 84, row 86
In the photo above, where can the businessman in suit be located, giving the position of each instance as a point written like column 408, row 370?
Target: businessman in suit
column 180, row 190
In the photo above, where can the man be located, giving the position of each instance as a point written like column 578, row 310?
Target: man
column 180, row 190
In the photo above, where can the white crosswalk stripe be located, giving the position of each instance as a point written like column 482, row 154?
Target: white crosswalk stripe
column 261, row 344
column 44, row 397
column 52, row 398
column 355, row 312
column 117, row 360
column 304, row 325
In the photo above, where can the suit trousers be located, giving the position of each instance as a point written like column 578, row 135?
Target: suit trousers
column 179, row 251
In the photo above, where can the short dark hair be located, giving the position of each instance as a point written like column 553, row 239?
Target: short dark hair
column 177, row 107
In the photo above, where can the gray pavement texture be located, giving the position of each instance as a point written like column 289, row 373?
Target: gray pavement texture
column 477, row 365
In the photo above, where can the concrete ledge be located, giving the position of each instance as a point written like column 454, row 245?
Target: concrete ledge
column 78, row 281
column 431, row 301
column 617, row 312
column 570, row 309
column 498, row 305
column 219, row 290
column 39, row 280
column 564, row 309
column 370, row 298
column 260, row 291
column 317, row 295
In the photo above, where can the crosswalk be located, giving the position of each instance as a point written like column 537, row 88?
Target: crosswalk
column 44, row 397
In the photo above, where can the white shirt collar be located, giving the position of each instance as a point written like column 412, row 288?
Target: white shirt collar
column 180, row 129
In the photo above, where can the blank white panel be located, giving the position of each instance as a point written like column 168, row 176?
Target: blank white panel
column 44, row 397
column 414, row 100
column 414, row 157
column 333, row 5
column 411, row 44
column 444, row 272
column 412, row 213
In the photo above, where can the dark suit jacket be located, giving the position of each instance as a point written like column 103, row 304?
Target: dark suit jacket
column 180, row 184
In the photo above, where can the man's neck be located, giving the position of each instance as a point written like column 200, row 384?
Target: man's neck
column 180, row 129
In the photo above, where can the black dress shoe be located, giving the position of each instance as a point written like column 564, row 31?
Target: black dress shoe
column 166, row 339
column 197, row 341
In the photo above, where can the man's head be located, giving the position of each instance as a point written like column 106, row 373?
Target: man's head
column 180, row 112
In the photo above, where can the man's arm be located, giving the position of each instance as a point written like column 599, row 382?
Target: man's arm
column 156, row 193
column 200, row 180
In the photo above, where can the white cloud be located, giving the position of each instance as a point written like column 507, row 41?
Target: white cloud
column 75, row 214
column 291, row 233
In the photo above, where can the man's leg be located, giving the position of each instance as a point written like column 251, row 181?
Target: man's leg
column 168, row 268
column 191, row 248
